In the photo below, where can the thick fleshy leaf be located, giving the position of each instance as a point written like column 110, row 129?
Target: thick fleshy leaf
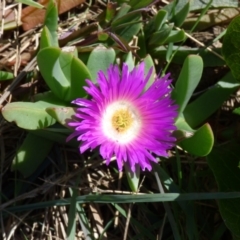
column 178, row 11
column 231, row 47
column 53, row 72
column 49, row 99
column 130, row 61
column 179, row 17
column 187, row 81
column 46, row 39
column 110, row 11
column 175, row 36
column 224, row 162
column 142, row 51
column 100, row 59
column 199, row 110
column 159, row 37
column 102, row 36
column 28, row 115
column 237, row 111
column 160, row 19
column 49, row 37
column 119, row 18
column 136, row 4
column 183, row 129
column 126, row 24
column 201, row 143
column 183, row 125
column 148, row 65
column 5, row 76
column 31, row 154
column 61, row 114
column 156, row 23
column 169, row 52
column 133, row 177
column 131, row 30
column 63, row 72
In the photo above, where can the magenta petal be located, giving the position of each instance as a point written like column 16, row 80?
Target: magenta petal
column 154, row 108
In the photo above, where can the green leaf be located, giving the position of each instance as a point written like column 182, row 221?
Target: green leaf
column 199, row 110
column 142, row 51
column 100, row 59
column 136, row 4
column 180, row 16
column 31, row 3
column 224, row 162
column 148, row 65
column 63, row 72
column 130, row 61
column 187, row 81
column 62, row 114
column 51, row 22
column 28, row 115
column 110, row 11
column 102, row 36
column 132, row 177
column 237, row 111
column 158, row 38
column 126, row 24
column 183, row 125
column 124, row 9
column 86, row 226
column 71, row 229
column 160, row 19
column 31, row 154
column 175, row 36
column 186, row 206
column 169, row 52
column 178, row 11
column 231, row 47
column 127, row 198
column 126, row 18
column 201, row 143
column 6, row 76
column 131, row 29
column 49, row 99
column 46, row 38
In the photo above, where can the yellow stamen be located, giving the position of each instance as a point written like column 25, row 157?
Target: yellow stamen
column 122, row 120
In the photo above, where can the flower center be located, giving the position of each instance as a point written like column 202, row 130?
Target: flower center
column 121, row 122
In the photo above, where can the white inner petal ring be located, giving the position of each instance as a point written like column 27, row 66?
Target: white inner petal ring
column 121, row 122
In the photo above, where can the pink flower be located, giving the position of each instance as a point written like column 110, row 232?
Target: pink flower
column 123, row 119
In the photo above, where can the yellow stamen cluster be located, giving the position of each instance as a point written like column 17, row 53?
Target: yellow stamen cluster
column 122, row 120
